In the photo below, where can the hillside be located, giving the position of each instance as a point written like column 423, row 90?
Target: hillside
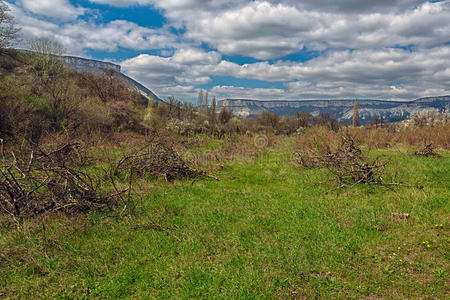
column 80, row 64
column 343, row 109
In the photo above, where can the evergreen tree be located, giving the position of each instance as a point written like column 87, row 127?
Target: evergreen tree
column 212, row 111
column 213, row 107
column 356, row 114
column 200, row 99
column 205, row 103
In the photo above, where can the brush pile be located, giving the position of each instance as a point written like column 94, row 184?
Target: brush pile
column 347, row 164
column 34, row 181
column 157, row 158
column 428, row 151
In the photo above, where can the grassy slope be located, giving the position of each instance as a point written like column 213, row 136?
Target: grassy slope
column 264, row 230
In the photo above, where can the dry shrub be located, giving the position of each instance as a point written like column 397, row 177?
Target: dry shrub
column 349, row 165
column 245, row 147
column 14, row 110
column 438, row 135
column 36, row 181
column 395, row 134
column 238, row 148
column 374, row 138
column 318, row 138
column 346, row 163
column 313, row 142
column 427, row 150
column 94, row 115
column 195, row 141
column 158, row 157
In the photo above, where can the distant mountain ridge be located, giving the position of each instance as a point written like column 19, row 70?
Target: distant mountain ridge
column 80, row 64
column 390, row 111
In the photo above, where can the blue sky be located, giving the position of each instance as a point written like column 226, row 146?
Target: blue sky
column 279, row 49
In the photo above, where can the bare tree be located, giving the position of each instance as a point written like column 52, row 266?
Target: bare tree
column 8, row 28
column 47, row 64
column 225, row 115
column 46, row 47
column 303, row 119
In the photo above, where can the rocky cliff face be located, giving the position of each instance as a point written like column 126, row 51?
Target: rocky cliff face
column 89, row 65
column 342, row 109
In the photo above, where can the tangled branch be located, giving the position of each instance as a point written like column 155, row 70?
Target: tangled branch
column 34, row 181
column 348, row 165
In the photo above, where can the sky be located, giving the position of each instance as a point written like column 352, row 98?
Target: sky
column 255, row 49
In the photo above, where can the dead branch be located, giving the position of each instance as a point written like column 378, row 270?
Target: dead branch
column 348, row 165
column 428, row 151
column 157, row 158
column 34, row 182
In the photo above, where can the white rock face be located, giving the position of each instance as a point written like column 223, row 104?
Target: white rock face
column 89, row 65
column 342, row 109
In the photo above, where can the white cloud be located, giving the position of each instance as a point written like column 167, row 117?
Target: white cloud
column 179, row 69
column 118, row 33
column 264, row 30
column 247, row 93
column 354, row 6
column 122, row 3
column 196, row 56
column 383, row 73
column 57, row 9
column 80, row 35
column 360, row 44
column 271, row 29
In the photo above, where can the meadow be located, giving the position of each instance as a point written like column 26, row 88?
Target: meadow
column 107, row 194
column 266, row 228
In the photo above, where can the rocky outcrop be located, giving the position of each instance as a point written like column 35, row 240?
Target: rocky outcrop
column 342, row 109
column 80, row 64
column 89, row 65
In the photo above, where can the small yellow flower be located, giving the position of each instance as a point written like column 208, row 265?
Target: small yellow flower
column 428, row 246
column 401, row 260
column 441, row 225
column 423, row 242
column 404, row 244
column 398, row 248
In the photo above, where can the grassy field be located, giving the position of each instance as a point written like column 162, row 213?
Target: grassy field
column 265, row 229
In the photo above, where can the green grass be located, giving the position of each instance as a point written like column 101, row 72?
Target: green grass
column 264, row 230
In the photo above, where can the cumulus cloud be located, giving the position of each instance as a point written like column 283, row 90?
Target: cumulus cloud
column 247, row 93
column 395, row 49
column 80, row 35
column 122, row 3
column 57, row 9
column 271, row 29
column 196, row 56
column 266, row 31
column 118, row 33
column 354, row 6
column 383, row 73
column 179, row 69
